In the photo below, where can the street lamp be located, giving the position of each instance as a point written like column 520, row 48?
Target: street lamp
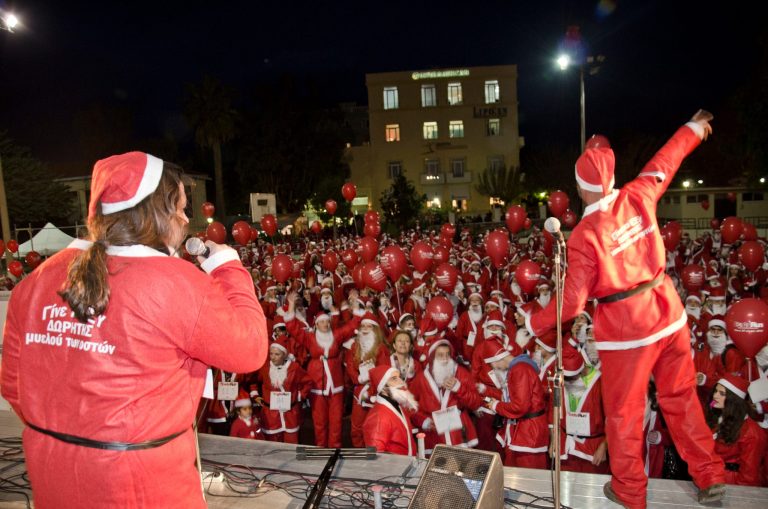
column 564, row 61
column 10, row 21
column 686, row 184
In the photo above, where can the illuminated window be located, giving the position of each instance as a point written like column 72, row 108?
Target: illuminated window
column 454, row 93
column 432, row 167
column 394, row 169
column 456, row 129
column 430, row 130
column 428, row 96
column 496, row 202
column 457, row 167
column 493, row 128
column 390, row 98
column 393, row 132
column 491, row 91
column 460, row 204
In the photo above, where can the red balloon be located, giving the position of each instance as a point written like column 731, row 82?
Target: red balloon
column 393, row 262
column 241, row 232
column 16, row 268
column 316, row 227
column 752, row 255
column 208, row 209
column 692, row 277
column 675, row 226
column 527, row 223
column 749, row 232
column 202, row 236
column 441, row 254
column 372, row 230
column 558, row 203
column 350, row 258
column 515, row 218
column 549, row 243
column 731, row 229
column 440, row 310
column 370, row 247
column 216, row 232
column 330, row 261
column 254, row 234
column 422, row 256
column 296, row 271
column 731, row 197
column 746, row 321
column 714, row 223
column 448, row 230
column 597, row 141
column 705, row 204
column 282, row 268
column 33, row 259
column 330, row 207
column 446, row 276
column 357, row 276
column 371, row 217
column 671, row 237
column 570, row 219
column 497, row 247
column 527, row 276
column 269, row 225
column 446, row 242
column 349, row 191
column 13, row 246
column 374, row 277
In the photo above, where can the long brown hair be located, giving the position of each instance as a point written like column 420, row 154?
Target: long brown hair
column 733, row 413
column 150, row 223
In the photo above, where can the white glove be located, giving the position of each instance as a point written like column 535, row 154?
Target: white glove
column 427, row 424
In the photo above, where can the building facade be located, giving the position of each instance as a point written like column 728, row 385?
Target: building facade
column 441, row 129
column 696, row 207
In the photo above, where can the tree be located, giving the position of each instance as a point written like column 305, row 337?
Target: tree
column 507, row 184
column 401, row 204
column 31, row 192
column 208, row 109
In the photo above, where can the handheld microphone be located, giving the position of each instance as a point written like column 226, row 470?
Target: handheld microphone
column 196, row 247
column 552, row 225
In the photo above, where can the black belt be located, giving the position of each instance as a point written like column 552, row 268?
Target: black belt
column 732, row 467
column 531, row 415
column 111, row 446
column 633, row 291
column 582, row 437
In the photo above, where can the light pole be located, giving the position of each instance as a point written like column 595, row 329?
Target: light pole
column 593, row 65
column 8, row 22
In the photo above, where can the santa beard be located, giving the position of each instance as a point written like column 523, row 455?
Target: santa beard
column 403, row 397
column 278, row 374
column 442, row 370
column 693, row 311
column 475, row 313
column 367, row 340
column 716, row 343
column 717, row 309
column 544, row 300
column 324, row 339
column 522, row 337
column 326, row 301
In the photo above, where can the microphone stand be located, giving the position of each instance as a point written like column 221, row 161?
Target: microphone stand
column 558, row 378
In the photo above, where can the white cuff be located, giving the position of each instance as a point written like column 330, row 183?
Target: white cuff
column 287, row 317
column 697, row 129
column 359, row 312
column 704, row 380
column 219, row 258
column 254, row 394
column 427, row 424
column 363, row 377
column 456, row 386
column 480, row 388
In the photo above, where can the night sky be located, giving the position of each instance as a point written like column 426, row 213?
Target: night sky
column 663, row 59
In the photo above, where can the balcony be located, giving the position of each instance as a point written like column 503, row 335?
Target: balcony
column 464, row 179
column 431, row 179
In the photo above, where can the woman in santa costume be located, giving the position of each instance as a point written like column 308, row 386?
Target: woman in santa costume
column 245, row 425
column 616, row 254
column 324, row 346
column 112, row 395
column 284, row 387
column 402, row 358
column 388, row 425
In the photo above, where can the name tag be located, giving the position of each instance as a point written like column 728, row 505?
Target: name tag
column 447, row 420
column 471, row 339
column 228, row 391
column 577, row 424
column 758, row 390
column 364, row 368
column 280, row 401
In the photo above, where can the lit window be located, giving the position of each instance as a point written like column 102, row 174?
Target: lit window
column 493, row 127
column 496, row 202
column 456, row 129
column 432, row 167
column 457, row 167
column 390, row 98
column 428, row 96
column 460, row 204
column 430, row 130
column 434, row 202
column 492, row 91
column 393, row 132
column 454, row 93
column 394, row 169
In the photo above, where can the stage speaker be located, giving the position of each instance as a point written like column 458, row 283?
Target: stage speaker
column 459, row 478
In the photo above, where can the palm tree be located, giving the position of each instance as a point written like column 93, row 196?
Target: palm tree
column 208, row 109
column 504, row 183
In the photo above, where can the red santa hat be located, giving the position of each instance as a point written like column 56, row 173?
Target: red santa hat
column 717, row 321
column 594, row 170
column 120, row 182
column 428, row 327
column 495, row 318
column 404, row 317
column 322, row 316
column 326, row 289
column 736, row 384
column 716, row 292
column 369, row 319
column 548, row 341
column 693, row 296
column 492, row 351
column 379, row 376
column 433, row 348
column 281, row 343
column 573, row 362
column 243, row 399
column 477, row 294
column 279, row 322
column 418, row 284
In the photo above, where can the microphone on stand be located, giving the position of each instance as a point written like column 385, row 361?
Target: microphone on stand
column 196, row 247
column 552, row 225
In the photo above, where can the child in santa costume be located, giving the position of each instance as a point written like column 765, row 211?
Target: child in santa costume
column 245, row 425
column 388, row 425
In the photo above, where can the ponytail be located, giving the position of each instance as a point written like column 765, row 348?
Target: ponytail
column 86, row 290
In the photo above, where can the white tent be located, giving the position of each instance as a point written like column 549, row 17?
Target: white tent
column 47, row 241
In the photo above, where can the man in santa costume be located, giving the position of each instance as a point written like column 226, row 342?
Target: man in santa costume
column 113, row 399
column 324, row 346
column 245, row 425
column 388, row 425
column 616, row 254
column 416, row 303
column 468, row 332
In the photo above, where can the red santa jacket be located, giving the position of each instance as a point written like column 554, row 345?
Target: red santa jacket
column 483, row 372
column 358, row 377
column 408, row 370
column 743, row 458
column 388, row 429
column 250, row 428
column 615, row 247
column 133, row 374
column 468, row 335
column 591, row 402
column 296, row 382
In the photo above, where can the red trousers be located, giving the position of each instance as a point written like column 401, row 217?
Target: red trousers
column 525, row 459
column 286, row 438
column 327, row 412
column 359, row 413
column 625, row 384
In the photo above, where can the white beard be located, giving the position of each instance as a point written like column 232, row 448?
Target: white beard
column 420, row 301
column 522, row 337
column 581, row 334
column 544, row 300
column 716, row 343
column 326, row 301
column 693, row 311
column 762, row 357
column 475, row 313
column 442, row 370
column 404, row 397
column 324, row 339
column 367, row 340
column 718, row 309
column 537, row 358
column 278, row 374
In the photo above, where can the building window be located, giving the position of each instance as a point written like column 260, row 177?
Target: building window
column 676, row 199
column 493, row 128
column 457, row 168
column 394, row 169
column 460, row 204
column 456, row 129
column 752, row 196
column 432, row 167
column 496, row 202
column 492, row 91
column 390, row 98
column 454, row 93
column 496, row 163
column 428, row 96
column 430, row 130
column 393, row 132
column 690, row 198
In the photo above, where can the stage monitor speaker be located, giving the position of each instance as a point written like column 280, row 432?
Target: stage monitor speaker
column 459, row 478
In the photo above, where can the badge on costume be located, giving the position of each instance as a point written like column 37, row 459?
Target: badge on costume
column 471, row 339
column 447, row 420
column 280, row 401
column 577, row 423
column 758, row 390
column 228, row 391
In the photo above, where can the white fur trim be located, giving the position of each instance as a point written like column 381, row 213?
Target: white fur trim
column 219, row 258
column 696, row 128
column 648, row 340
column 725, row 383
